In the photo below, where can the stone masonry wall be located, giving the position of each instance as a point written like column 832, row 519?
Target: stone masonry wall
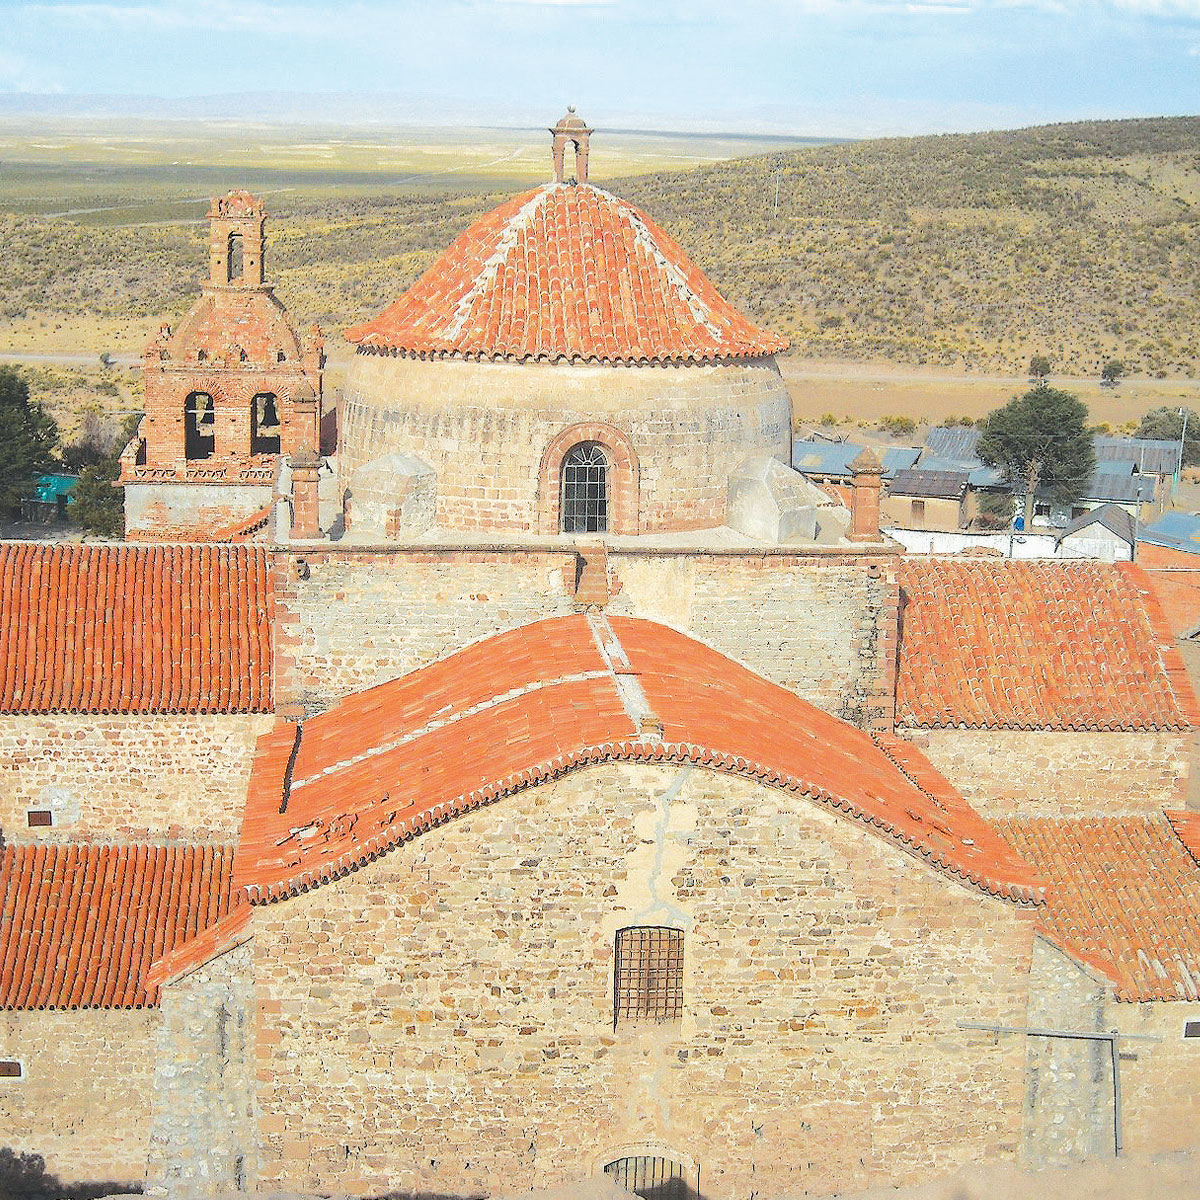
column 442, row 1019
column 485, row 426
column 1160, row 1099
column 127, row 777
column 84, row 1104
column 202, row 1139
column 1068, row 1081
column 1046, row 774
column 822, row 624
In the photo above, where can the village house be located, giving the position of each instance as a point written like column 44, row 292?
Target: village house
column 580, row 791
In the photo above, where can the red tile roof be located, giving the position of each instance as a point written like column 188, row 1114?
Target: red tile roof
column 533, row 704
column 80, row 925
column 1123, row 895
column 566, row 272
column 1187, row 830
column 134, row 628
column 1018, row 645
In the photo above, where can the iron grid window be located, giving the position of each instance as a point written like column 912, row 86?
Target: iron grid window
column 649, row 1177
column 585, row 489
column 648, row 979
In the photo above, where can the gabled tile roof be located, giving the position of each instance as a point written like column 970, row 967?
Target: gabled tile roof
column 566, row 272
column 1020, row 645
column 1123, row 895
column 80, row 925
column 530, row 705
column 134, row 629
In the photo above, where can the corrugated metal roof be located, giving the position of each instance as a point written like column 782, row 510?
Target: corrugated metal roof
column 1157, row 456
column 1176, row 531
column 834, row 458
column 954, row 442
column 1114, row 518
column 940, row 484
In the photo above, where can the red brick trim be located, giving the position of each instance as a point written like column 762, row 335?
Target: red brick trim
column 624, row 509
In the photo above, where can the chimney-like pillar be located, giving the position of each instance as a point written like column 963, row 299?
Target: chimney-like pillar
column 306, row 521
column 864, row 498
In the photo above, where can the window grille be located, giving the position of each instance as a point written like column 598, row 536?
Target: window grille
column 651, row 1178
column 648, row 980
column 585, row 489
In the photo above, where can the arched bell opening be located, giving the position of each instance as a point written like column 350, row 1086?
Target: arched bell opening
column 264, row 424
column 199, row 439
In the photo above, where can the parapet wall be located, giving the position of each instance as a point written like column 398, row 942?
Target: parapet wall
column 822, row 624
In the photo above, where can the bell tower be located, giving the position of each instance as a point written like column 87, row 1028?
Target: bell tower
column 230, row 393
column 574, row 130
column 236, row 241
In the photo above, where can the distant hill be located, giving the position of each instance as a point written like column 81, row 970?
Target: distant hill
column 1081, row 241
column 1078, row 241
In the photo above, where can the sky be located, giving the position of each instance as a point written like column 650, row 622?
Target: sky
column 810, row 67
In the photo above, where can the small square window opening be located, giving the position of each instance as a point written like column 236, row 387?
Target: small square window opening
column 648, row 978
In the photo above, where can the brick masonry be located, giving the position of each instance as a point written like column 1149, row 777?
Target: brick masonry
column 84, row 1104
column 121, row 777
column 485, row 427
column 189, row 511
column 403, row 1045
column 820, row 624
column 1037, row 773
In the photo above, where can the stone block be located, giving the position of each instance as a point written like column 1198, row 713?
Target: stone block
column 391, row 497
column 771, row 502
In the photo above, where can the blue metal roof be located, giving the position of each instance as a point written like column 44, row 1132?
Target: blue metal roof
column 1176, row 531
column 834, row 458
column 956, row 443
column 1154, row 456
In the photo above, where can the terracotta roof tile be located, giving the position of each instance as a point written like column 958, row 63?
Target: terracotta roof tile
column 80, row 925
column 1187, row 829
column 1123, row 895
column 1019, row 645
column 134, row 628
column 533, row 704
column 566, row 272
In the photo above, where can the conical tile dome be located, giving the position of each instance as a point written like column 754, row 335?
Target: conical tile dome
column 566, row 272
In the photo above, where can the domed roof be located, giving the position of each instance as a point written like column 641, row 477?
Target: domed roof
column 566, row 272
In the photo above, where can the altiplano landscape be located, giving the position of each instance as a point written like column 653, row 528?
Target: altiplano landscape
column 913, row 276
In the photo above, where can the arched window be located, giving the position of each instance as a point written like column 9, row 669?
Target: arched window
column 264, row 424
column 234, row 260
column 584, row 505
column 198, row 416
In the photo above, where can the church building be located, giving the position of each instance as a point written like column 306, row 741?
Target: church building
column 552, row 783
